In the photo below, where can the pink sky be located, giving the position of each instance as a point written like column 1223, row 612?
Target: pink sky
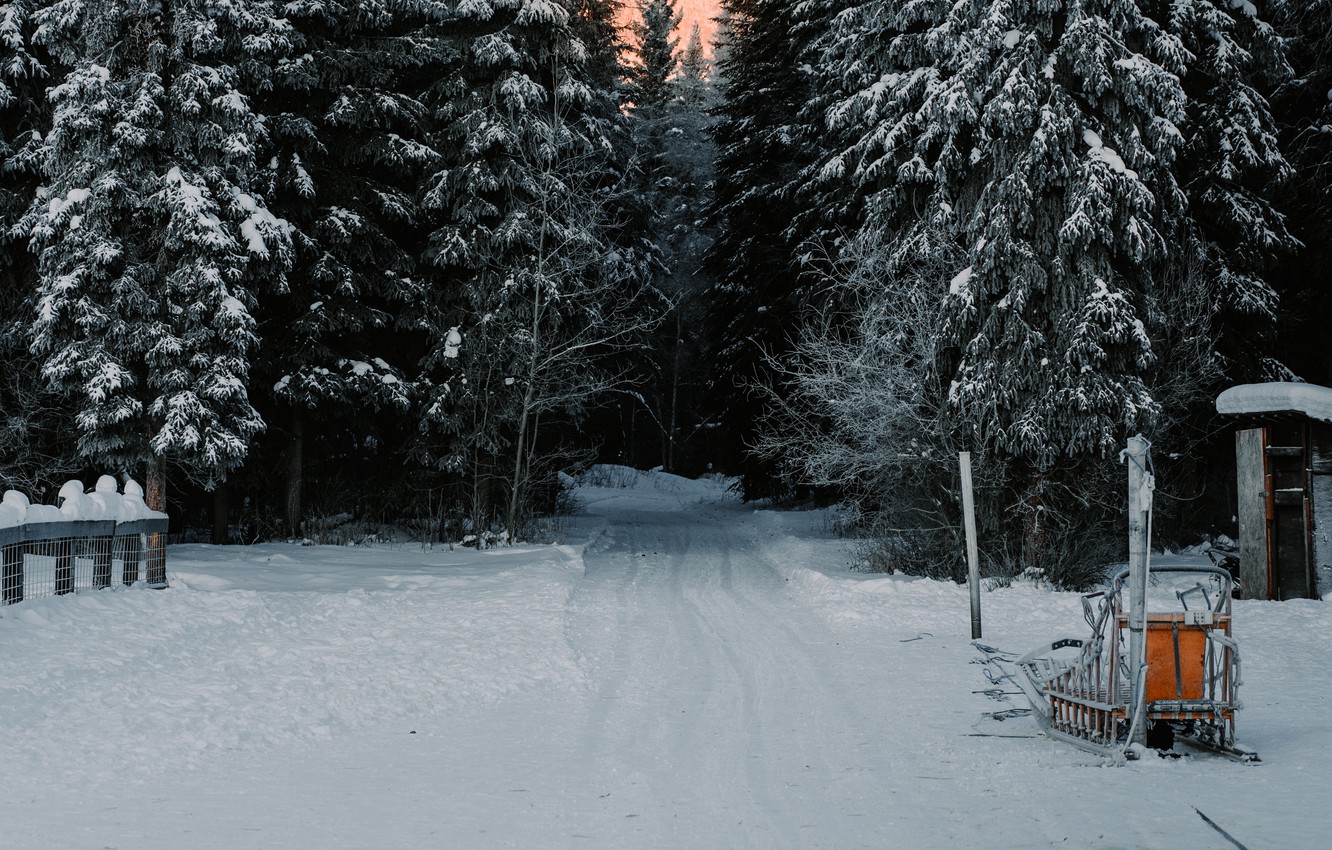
column 690, row 11
column 701, row 11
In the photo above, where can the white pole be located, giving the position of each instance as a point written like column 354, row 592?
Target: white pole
column 973, row 560
column 1139, row 504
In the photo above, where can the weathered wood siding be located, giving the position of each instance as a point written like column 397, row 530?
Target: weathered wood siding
column 1251, row 487
column 1321, row 487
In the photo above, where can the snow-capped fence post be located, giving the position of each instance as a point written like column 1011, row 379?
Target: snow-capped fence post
column 973, row 558
column 1140, row 484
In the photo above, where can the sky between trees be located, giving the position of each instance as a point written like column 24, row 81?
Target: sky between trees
column 691, row 11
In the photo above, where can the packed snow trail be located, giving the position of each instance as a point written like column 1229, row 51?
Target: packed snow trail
column 719, row 713
column 692, row 673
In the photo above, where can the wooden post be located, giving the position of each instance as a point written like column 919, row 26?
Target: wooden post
column 1251, row 510
column 1139, row 508
column 973, row 560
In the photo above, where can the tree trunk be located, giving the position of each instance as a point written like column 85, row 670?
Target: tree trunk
column 295, row 474
column 155, row 497
column 515, row 492
column 675, row 393
column 1033, row 521
column 478, row 504
column 221, row 514
column 154, row 491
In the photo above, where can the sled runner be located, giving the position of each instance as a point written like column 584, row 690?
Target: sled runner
column 1083, row 692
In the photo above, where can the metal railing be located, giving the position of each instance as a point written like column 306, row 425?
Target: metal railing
column 54, row 558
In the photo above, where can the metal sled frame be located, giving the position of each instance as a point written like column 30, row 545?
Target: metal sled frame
column 1082, row 691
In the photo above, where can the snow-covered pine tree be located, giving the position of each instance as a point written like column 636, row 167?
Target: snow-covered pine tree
column 677, row 159
column 1041, row 138
column 1231, row 167
column 655, row 56
column 829, row 208
column 596, row 24
column 695, row 71
column 763, row 145
column 24, row 116
column 349, row 138
column 150, row 238
column 722, row 40
column 1030, row 150
column 1304, row 106
column 1306, row 26
column 30, row 416
column 540, row 293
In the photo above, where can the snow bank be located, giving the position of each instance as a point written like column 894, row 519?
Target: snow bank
column 274, row 645
column 619, row 488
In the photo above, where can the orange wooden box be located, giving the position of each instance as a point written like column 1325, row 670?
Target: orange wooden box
column 1175, row 675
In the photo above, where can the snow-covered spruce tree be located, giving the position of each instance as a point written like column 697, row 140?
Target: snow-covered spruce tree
column 695, row 71
column 763, row 145
column 541, row 295
column 829, row 209
column 1231, row 167
column 349, row 138
column 677, row 160
column 655, row 56
column 596, row 24
column 1304, row 106
column 24, row 117
column 1034, row 145
column 150, row 239
column 722, row 40
column 32, row 419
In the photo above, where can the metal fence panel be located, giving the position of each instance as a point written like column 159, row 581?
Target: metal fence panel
column 56, row 558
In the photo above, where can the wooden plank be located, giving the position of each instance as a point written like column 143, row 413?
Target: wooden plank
column 1251, row 490
column 1320, row 493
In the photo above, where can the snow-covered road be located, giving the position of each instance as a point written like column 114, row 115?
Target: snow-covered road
column 721, row 714
column 690, row 673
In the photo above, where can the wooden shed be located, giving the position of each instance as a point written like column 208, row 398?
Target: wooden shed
column 1283, row 459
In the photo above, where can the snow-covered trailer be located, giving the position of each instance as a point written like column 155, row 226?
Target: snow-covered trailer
column 1283, row 460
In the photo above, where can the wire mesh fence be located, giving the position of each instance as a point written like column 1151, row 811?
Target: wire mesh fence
column 55, row 558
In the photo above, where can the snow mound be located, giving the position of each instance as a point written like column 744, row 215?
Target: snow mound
column 607, row 486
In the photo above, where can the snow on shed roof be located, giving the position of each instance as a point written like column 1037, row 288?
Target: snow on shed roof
column 1312, row 400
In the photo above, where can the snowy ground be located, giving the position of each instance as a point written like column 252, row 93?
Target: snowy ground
column 689, row 672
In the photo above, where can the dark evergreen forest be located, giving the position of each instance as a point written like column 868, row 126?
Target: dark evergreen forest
column 412, row 262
